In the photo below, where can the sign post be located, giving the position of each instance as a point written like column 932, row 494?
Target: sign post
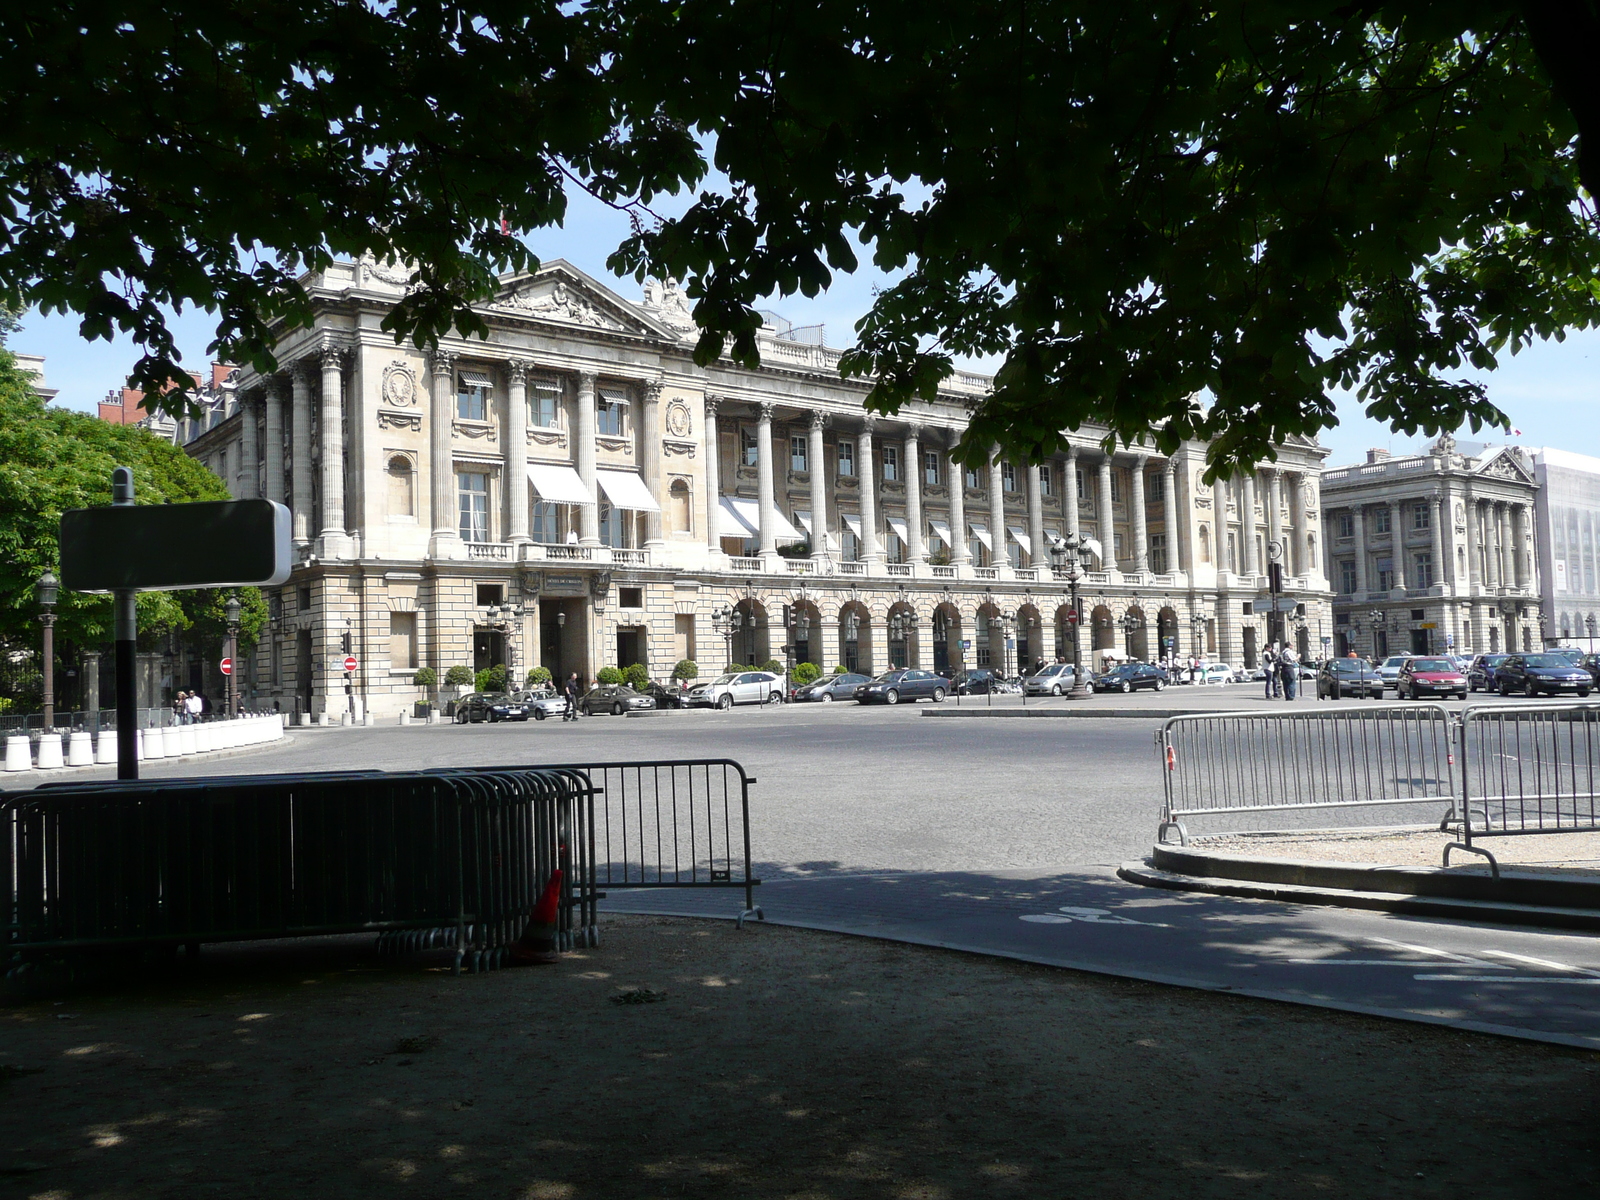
column 126, row 549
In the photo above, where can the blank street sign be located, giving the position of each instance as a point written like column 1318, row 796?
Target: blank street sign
column 166, row 547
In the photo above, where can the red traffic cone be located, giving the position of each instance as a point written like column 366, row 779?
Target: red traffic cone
column 538, row 941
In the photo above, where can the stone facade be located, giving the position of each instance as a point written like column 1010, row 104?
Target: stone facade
column 579, row 465
column 1433, row 552
column 1568, row 520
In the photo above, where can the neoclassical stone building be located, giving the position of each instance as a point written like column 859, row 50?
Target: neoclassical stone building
column 579, row 467
column 1434, row 552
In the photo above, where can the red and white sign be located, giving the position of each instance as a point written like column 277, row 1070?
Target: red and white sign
column 349, row 662
column 227, row 666
column 1072, row 618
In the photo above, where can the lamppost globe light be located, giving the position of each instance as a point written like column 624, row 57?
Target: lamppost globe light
column 232, row 608
column 47, row 589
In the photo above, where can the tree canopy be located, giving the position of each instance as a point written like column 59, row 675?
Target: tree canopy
column 1131, row 205
column 52, row 460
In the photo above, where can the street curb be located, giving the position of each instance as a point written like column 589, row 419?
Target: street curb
column 1135, row 714
column 1536, row 889
column 1482, row 912
column 47, row 774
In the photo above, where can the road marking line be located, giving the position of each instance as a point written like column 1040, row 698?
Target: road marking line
column 1583, row 982
column 1383, row 962
column 1460, row 958
column 1543, row 962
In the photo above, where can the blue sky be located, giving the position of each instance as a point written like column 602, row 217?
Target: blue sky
column 1551, row 391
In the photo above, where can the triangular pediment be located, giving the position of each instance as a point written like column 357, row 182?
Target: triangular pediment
column 1503, row 462
column 560, row 292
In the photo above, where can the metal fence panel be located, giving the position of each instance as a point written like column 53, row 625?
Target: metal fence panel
column 1249, row 762
column 1529, row 769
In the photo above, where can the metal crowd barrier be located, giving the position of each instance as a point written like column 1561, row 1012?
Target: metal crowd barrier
column 1251, row 762
column 452, row 858
column 1527, row 769
column 681, row 823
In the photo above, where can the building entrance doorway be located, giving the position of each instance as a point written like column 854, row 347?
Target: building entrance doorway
column 1251, row 653
column 563, row 639
column 630, row 648
column 302, row 671
column 488, row 649
column 1422, row 641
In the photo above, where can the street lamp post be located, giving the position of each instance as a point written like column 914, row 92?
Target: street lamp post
column 507, row 618
column 1376, row 617
column 727, row 621
column 47, row 590
column 1129, row 624
column 797, row 628
column 231, row 609
column 1071, row 555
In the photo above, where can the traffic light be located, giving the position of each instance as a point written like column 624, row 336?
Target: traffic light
column 1275, row 576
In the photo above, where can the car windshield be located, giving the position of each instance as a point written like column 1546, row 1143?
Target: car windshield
column 1432, row 664
column 1547, row 660
column 1347, row 666
column 1494, row 660
column 1054, row 669
column 1396, row 661
column 889, row 677
column 724, row 679
column 495, row 697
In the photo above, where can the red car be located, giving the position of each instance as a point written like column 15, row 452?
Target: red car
column 1421, row 677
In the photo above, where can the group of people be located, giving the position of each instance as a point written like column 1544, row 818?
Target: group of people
column 1282, row 665
column 189, row 707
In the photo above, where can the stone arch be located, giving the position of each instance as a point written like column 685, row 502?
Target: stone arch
column 402, row 484
column 1168, row 641
column 900, row 635
column 806, row 637
column 680, row 506
column 854, row 629
column 1103, row 634
column 752, row 642
column 1065, row 629
column 1030, row 638
column 989, row 637
column 1205, row 543
column 947, row 627
column 1136, row 640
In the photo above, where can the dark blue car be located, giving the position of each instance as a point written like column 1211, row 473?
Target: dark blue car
column 1550, row 674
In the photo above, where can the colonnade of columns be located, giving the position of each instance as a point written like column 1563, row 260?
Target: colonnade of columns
column 1498, row 546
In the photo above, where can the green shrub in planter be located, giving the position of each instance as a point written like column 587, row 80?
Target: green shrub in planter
column 686, row 670
column 840, row 670
column 426, row 677
column 495, row 679
column 773, row 665
column 609, row 675
column 636, row 676
column 805, row 673
column 538, row 676
column 458, row 677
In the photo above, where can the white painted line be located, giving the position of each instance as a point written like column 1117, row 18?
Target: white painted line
column 1585, row 982
column 1383, row 962
column 1543, row 962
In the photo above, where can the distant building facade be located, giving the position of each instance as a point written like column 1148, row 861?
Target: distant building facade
column 1435, row 552
column 1568, row 511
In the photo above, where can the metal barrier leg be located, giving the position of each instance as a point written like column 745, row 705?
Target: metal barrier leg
column 1494, row 866
column 1161, row 832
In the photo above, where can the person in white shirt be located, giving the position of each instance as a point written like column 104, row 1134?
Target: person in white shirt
column 194, row 707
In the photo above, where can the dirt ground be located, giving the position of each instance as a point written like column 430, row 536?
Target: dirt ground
column 764, row 1063
column 1567, row 853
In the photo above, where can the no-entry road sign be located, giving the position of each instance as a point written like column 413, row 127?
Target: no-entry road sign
column 227, row 666
column 349, row 662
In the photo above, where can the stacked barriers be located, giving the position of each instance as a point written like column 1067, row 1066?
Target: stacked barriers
column 454, row 858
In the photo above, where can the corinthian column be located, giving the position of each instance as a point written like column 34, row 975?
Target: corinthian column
column 767, row 525
column 1104, row 520
column 866, row 467
column 249, row 450
column 1072, row 490
column 588, row 514
column 333, row 539
column 1247, row 523
column 913, row 452
column 1169, row 516
column 1039, row 556
column 713, row 460
column 274, row 436
column 997, row 508
column 516, row 435
column 1275, row 515
column 819, row 487
column 1397, row 546
column 441, row 462
column 1440, row 514
column 650, row 463
column 959, row 553
column 1141, row 532
column 300, row 453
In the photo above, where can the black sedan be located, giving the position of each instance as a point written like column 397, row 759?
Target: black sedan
column 1129, row 677
column 979, row 681
column 613, row 698
column 664, row 697
column 1480, row 675
column 1591, row 664
column 488, row 706
column 1532, row 674
column 1341, row 677
column 831, row 687
column 905, row 684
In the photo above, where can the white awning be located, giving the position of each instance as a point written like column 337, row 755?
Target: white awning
column 853, row 522
column 613, row 397
column 475, row 379
column 558, row 485
column 625, row 489
column 1022, row 537
column 899, row 526
column 942, row 532
column 804, row 518
column 742, row 518
column 981, row 532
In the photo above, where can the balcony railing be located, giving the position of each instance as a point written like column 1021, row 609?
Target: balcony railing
column 900, row 569
column 630, row 558
column 800, row 566
column 944, row 572
column 745, row 564
column 852, row 568
column 493, row 551
column 986, row 572
column 1026, row 574
column 559, row 551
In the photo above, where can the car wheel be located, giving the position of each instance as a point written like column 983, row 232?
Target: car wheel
column 1583, row 692
column 775, row 698
column 1056, row 691
column 1126, row 686
column 891, row 697
column 827, row 697
column 725, row 703
column 461, row 717
column 538, row 714
column 1159, row 684
column 938, row 695
column 1530, row 690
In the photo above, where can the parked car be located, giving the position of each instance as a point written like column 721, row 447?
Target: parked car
column 979, row 681
column 478, row 707
column 1055, row 679
column 1129, row 677
column 738, row 687
column 1389, row 669
column 1480, row 675
column 613, row 698
column 1341, row 677
column 665, row 697
column 830, row 688
column 541, row 704
column 1430, row 676
column 905, row 684
column 1571, row 653
column 1552, row 674
column 1591, row 664
column 1216, row 673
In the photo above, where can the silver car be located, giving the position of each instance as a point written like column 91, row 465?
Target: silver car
column 542, row 704
column 1389, row 671
column 1053, row 680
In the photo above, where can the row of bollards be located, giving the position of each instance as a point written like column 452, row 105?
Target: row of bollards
column 84, row 749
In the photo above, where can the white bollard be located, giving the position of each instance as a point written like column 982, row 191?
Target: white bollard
column 50, row 752
column 366, row 719
column 19, row 754
column 105, row 748
column 155, row 742
column 80, row 750
column 186, row 741
column 138, row 745
column 405, row 718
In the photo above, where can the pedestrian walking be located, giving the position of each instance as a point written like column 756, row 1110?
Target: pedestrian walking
column 572, row 698
column 194, row 708
column 180, row 709
column 1289, row 669
column 1269, row 660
